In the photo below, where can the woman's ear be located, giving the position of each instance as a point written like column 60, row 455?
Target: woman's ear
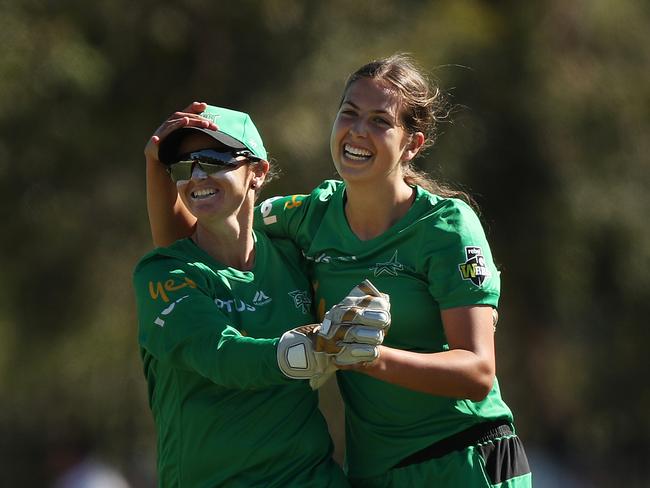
column 259, row 173
column 413, row 147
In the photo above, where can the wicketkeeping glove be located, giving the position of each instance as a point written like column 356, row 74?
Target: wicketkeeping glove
column 353, row 328
column 299, row 358
column 349, row 334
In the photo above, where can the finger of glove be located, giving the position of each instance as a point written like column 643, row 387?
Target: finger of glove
column 355, row 354
column 358, row 315
column 366, row 301
column 367, row 288
column 360, row 334
column 329, row 345
column 348, row 334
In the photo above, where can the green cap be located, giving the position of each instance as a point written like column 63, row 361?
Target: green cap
column 235, row 129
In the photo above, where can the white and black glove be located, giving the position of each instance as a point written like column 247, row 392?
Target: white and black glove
column 349, row 334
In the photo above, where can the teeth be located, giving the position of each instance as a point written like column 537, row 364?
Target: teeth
column 203, row 193
column 356, row 152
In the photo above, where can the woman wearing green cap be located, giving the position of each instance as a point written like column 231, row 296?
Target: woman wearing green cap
column 211, row 308
column 428, row 411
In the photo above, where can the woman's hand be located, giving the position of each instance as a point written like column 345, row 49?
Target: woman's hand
column 188, row 117
column 168, row 217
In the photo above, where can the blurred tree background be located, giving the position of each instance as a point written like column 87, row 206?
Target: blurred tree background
column 550, row 134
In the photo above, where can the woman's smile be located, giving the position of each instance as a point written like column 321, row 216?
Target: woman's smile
column 203, row 193
column 356, row 153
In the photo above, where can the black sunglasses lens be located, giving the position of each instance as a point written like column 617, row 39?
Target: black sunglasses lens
column 181, row 170
column 209, row 160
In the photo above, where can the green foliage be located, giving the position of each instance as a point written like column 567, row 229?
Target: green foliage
column 549, row 133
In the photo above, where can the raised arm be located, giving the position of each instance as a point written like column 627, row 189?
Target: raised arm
column 168, row 218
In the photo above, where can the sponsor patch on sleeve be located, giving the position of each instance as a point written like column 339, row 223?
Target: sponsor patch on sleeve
column 474, row 268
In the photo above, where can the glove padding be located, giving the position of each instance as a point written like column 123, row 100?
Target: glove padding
column 352, row 329
column 299, row 359
column 349, row 334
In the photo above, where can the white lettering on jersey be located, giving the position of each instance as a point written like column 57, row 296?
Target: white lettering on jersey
column 265, row 208
column 167, row 310
column 324, row 258
column 234, row 305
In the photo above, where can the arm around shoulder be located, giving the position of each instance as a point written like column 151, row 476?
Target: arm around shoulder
column 168, row 217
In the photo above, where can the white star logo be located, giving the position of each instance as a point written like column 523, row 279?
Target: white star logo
column 301, row 299
column 391, row 267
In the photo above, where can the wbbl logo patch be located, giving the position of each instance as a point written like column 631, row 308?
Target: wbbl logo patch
column 474, row 269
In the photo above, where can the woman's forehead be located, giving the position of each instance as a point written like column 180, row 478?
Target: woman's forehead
column 372, row 94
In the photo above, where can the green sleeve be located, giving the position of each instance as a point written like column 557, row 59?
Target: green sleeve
column 461, row 271
column 296, row 217
column 282, row 216
column 179, row 324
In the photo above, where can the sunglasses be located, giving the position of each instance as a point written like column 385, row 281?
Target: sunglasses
column 209, row 160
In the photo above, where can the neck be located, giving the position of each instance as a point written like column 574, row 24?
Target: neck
column 372, row 210
column 230, row 241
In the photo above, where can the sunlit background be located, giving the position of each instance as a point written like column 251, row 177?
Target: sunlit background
column 550, row 135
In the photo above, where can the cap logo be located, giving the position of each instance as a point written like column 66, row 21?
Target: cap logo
column 211, row 117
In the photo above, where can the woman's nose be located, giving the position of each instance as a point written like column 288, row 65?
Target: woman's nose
column 198, row 173
column 358, row 127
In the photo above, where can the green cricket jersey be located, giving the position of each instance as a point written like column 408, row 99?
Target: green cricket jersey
column 225, row 415
column 435, row 257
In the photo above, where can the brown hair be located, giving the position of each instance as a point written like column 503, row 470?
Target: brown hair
column 273, row 173
column 423, row 108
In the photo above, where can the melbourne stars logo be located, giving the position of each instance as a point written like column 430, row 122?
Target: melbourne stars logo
column 301, row 299
column 474, row 269
column 390, row 267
